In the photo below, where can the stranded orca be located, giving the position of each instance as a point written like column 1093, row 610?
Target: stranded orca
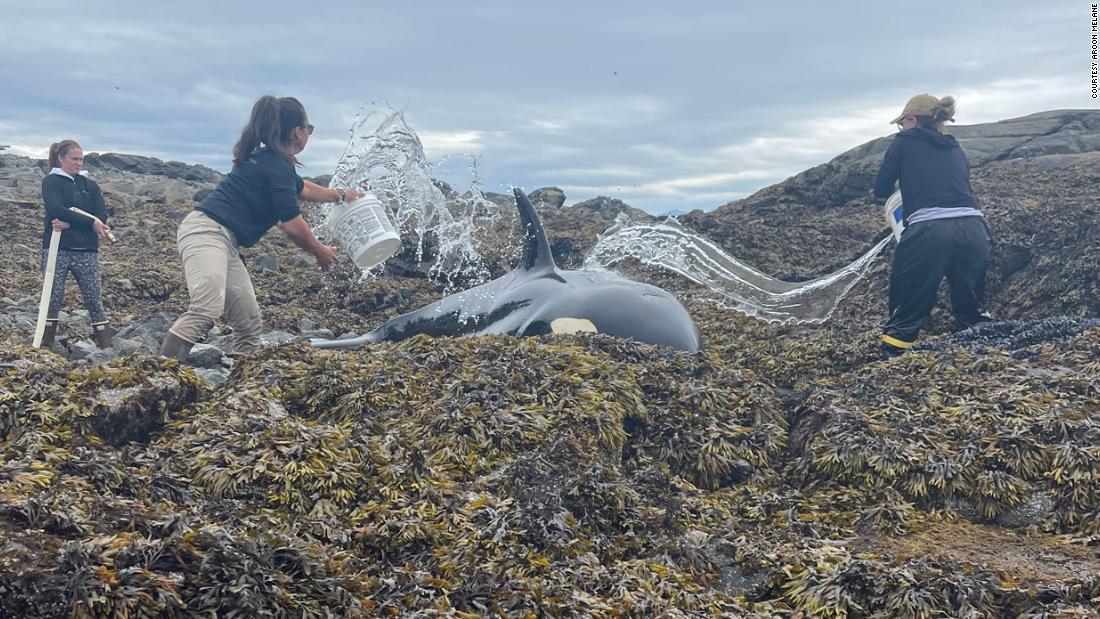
column 537, row 298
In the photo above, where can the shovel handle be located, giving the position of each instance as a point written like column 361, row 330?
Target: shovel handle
column 110, row 235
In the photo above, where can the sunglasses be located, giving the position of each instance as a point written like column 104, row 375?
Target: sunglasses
column 309, row 129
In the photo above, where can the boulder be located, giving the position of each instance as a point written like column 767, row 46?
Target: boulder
column 131, row 414
column 607, row 208
column 277, row 338
column 148, row 331
column 547, row 196
column 268, row 263
column 152, row 166
column 204, row 356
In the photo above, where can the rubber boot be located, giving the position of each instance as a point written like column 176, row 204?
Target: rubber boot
column 103, row 334
column 889, row 351
column 49, row 334
column 175, row 346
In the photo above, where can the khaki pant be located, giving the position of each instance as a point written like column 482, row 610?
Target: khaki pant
column 217, row 283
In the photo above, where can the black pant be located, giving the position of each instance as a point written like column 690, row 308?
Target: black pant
column 929, row 250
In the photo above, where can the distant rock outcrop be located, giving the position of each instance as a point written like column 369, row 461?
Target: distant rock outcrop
column 152, row 166
column 608, row 208
column 128, row 180
column 1030, row 174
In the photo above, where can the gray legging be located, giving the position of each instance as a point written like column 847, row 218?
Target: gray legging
column 85, row 268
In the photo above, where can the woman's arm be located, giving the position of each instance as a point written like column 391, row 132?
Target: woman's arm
column 53, row 196
column 315, row 193
column 302, row 235
column 889, row 173
column 99, row 207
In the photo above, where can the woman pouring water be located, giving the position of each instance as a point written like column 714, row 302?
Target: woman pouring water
column 261, row 191
column 945, row 233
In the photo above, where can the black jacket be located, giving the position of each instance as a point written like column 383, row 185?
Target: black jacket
column 932, row 168
column 61, row 192
column 255, row 196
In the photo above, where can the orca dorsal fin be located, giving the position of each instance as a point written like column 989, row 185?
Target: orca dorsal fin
column 536, row 250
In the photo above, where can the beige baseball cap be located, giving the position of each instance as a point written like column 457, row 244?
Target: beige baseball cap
column 920, row 105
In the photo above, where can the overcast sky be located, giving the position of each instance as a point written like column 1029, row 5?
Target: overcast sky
column 665, row 105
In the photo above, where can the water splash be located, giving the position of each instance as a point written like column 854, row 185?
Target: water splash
column 439, row 206
column 669, row 246
column 386, row 157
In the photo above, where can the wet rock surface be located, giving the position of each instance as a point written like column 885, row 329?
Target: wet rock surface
column 785, row 470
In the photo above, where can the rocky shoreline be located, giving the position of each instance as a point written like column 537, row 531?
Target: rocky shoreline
column 785, row 471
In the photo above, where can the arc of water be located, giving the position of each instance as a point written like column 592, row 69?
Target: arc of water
column 669, row 246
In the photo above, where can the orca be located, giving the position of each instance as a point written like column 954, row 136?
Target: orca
column 538, row 298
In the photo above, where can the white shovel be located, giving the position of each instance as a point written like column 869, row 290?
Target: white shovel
column 47, row 287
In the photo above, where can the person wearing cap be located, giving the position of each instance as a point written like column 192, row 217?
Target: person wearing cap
column 945, row 232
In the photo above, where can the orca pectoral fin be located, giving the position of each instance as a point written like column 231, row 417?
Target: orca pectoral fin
column 366, row 338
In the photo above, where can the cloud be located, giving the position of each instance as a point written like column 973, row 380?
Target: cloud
column 659, row 106
column 437, row 143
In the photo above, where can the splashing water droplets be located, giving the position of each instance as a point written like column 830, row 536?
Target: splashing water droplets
column 386, row 157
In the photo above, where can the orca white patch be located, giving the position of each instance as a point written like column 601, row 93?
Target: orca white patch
column 572, row 325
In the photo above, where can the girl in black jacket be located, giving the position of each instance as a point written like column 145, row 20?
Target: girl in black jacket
column 65, row 187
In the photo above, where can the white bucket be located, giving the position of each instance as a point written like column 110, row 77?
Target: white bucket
column 895, row 217
column 365, row 231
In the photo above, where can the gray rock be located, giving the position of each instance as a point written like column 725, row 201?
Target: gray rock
column 302, row 260
column 82, row 350
column 324, row 334
column 609, row 208
column 848, row 176
column 148, row 331
column 350, row 335
column 152, row 166
column 277, row 338
column 78, row 323
column 734, row 583
column 1030, row 513
column 222, row 342
column 204, row 356
column 213, row 376
column 133, row 414
column 549, row 196
column 268, row 263
column 25, row 321
column 125, row 284
column 306, row 324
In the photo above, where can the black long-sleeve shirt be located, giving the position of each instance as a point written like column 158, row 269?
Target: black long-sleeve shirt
column 60, row 192
column 255, row 196
column 932, row 168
